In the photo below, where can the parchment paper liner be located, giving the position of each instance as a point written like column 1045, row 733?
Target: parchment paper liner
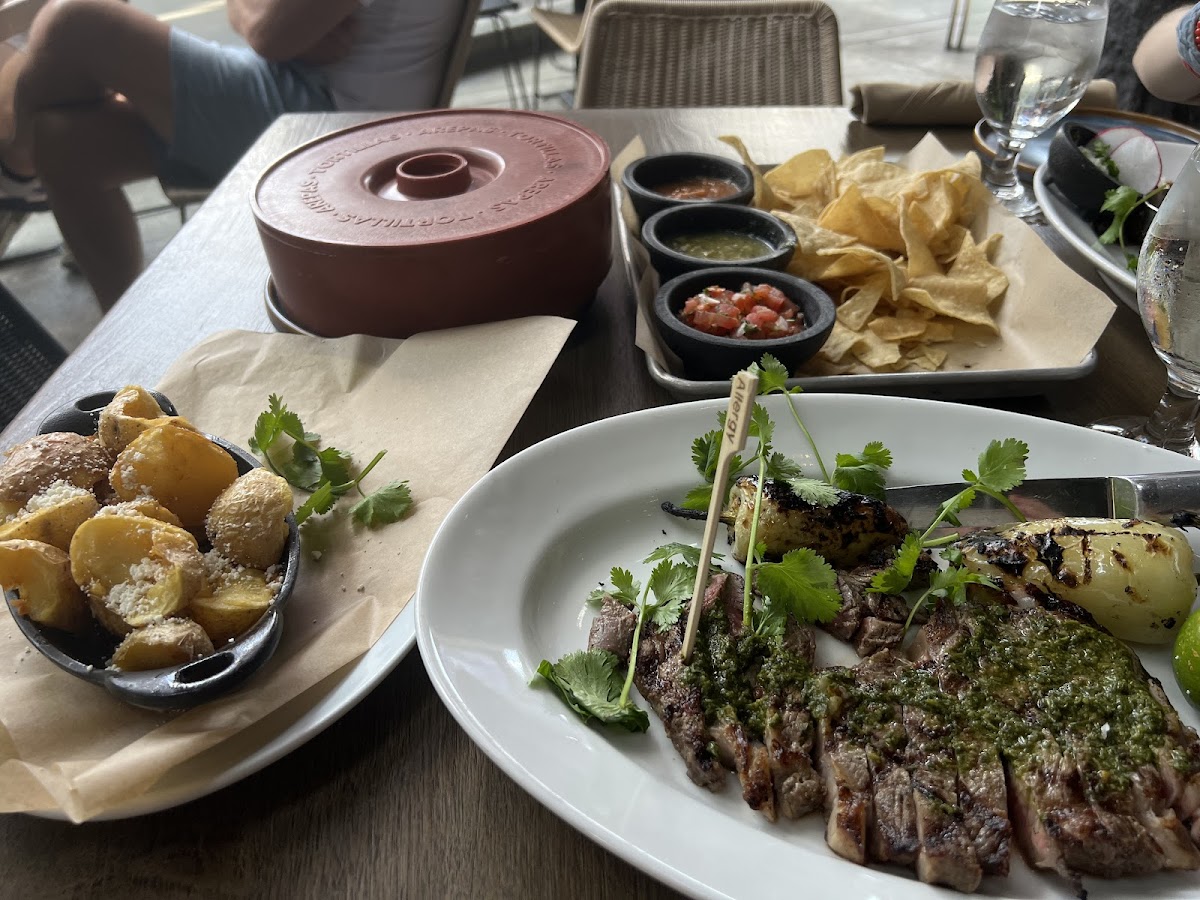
column 442, row 404
column 1050, row 317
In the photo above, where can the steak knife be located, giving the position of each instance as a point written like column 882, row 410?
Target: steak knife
column 1168, row 498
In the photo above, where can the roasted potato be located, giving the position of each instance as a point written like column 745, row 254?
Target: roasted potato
column 181, row 469
column 41, row 576
column 135, row 570
column 247, row 523
column 237, row 601
column 131, row 411
column 169, row 643
column 31, row 467
column 52, row 516
column 1134, row 577
column 141, row 506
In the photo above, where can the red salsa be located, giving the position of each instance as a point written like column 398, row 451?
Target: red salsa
column 756, row 312
column 697, row 187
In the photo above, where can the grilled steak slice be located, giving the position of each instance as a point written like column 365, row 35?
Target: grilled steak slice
column 983, row 798
column 842, row 762
column 894, row 835
column 613, row 628
column 1094, row 759
column 659, row 674
column 982, row 788
column 720, row 661
column 869, row 620
column 750, row 760
column 788, row 731
column 1179, row 765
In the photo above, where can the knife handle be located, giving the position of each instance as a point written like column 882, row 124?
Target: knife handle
column 1158, row 498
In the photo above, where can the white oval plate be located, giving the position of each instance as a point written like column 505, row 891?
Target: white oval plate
column 1108, row 259
column 503, row 587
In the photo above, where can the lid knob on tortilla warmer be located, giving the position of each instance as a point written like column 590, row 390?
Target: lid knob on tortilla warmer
column 430, row 175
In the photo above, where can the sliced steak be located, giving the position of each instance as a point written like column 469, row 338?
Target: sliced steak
column 894, row 835
column 788, row 731
column 868, row 620
column 1082, row 732
column 983, row 799
column 1179, row 764
column 613, row 628
column 842, row 762
column 659, row 675
column 720, row 661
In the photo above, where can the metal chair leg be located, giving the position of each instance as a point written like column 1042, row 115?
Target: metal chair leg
column 513, row 79
column 958, row 24
column 536, row 97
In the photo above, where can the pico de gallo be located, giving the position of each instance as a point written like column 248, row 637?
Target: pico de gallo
column 756, row 312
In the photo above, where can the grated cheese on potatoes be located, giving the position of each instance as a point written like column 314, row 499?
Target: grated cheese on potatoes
column 129, row 599
column 58, row 492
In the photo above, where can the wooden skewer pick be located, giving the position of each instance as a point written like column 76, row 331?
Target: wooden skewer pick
column 737, row 424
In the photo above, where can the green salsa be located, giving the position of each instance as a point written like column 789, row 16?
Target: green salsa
column 721, row 245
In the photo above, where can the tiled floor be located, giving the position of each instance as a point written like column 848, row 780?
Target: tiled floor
column 881, row 41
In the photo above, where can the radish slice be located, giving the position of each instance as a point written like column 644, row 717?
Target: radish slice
column 1115, row 137
column 1138, row 163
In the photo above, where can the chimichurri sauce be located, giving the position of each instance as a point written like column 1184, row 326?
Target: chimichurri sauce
column 1028, row 685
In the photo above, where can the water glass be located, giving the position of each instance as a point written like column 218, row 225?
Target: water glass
column 1034, row 62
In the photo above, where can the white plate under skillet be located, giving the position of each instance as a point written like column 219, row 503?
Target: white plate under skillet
column 503, row 587
column 1110, row 261
column 281, row 732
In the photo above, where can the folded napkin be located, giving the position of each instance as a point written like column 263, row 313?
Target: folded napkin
column 941, row 102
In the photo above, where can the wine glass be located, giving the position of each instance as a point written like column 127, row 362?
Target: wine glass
column 1168, row 289
column 1034, row 61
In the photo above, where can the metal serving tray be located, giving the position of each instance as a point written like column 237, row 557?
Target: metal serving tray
column 942, row 385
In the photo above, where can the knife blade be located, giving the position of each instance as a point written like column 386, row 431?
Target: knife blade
column 1168, row 498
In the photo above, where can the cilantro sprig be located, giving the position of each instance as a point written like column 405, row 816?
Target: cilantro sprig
column 802, row 584
column 1121, row 202
column 1001, row 468
column 587, row 681
column 327, row 473
column 862, row 473
column 950, row 583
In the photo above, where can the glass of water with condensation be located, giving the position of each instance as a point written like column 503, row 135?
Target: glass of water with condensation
column 1034, row 61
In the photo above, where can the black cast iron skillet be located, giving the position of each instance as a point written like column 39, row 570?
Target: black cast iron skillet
column 179, row 687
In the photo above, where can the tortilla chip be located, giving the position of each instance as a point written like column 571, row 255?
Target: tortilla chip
column 875, row 352
column 808, row 179
column 921, row 260
column 896, row 329
column 959, row 299
column 856, row 310
column 871, row 220
column 764, row 197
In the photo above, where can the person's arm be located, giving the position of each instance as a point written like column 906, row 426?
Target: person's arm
column 282, row 30
column 1159, row 65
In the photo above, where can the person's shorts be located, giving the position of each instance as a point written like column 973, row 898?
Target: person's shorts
column 222, row 99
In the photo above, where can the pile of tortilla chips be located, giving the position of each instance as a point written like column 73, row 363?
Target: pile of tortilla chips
column 895, row 251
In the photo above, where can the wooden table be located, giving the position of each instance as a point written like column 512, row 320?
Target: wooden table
column 393, row 799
